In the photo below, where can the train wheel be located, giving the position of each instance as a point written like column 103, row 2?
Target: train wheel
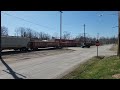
column 35, row 49
column 20, row 49
column 15, row 49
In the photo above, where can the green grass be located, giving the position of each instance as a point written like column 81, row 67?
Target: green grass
column 96, row 68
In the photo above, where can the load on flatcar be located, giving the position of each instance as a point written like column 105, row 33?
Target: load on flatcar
column 16, row 43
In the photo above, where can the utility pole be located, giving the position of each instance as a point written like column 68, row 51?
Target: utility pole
column 97, row 36
column 97, row 41
column 0, row 46
column 60, row 26
column 118, row 53
column 84, row 34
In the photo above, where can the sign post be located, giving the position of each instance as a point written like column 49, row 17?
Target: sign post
column 97, row 44
column 97, row 51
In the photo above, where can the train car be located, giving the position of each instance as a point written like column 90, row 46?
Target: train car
column 16, row 43
column 23, row 43
column 35, row 44
column 68, row 43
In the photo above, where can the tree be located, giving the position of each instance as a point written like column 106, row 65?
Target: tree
column 43, row 36
column 55, row 36
column 66, row 35
column 79, row 38
column 24, row 32
column 36, row 35
column 28, row 32
column 20, row 31
column 4, row 31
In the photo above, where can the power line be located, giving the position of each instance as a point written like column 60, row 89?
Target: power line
column 103, row 14
column 27, row 20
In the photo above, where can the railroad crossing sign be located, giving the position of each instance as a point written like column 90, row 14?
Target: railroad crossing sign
column 97, row 43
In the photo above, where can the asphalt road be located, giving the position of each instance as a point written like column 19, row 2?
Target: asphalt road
column 50, row 67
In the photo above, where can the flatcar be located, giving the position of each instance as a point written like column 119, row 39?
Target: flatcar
column 34, row 45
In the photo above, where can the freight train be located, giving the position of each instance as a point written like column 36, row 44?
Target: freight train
column 24, row 44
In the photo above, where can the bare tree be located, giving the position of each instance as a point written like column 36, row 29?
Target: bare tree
column 28, row 32
column 43, row 36
column 108, row 40
column 66, row 35
column 24, row 32
column 36, row 35
column 20, row 31
column 55, row 36
column 79, row 38
column 40, row 35
column 47, row 36
column 4, row 31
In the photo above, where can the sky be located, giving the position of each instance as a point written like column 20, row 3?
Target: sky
column 72, row 21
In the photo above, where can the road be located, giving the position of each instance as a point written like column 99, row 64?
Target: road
column 50, row 67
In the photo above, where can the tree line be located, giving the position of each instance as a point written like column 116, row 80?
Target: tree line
column 28, row 32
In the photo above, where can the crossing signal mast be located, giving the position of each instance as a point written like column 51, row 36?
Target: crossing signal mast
column 84, row 34
column 118, row 52
column 0, row 45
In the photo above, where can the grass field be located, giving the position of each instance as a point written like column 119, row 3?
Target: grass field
column 97, row 68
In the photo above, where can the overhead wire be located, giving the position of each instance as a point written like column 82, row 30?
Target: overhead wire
column 27, row 20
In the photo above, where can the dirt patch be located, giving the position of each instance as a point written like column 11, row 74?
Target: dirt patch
column 99, row 57
column 114, row 47
column 12, row 57
column 117, row 76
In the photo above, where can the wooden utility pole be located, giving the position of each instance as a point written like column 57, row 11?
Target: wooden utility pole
column 61, row 24
column 60, row 27
column 97, row 42
column 0, row 45
column 84, row 34
column 118, row 53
